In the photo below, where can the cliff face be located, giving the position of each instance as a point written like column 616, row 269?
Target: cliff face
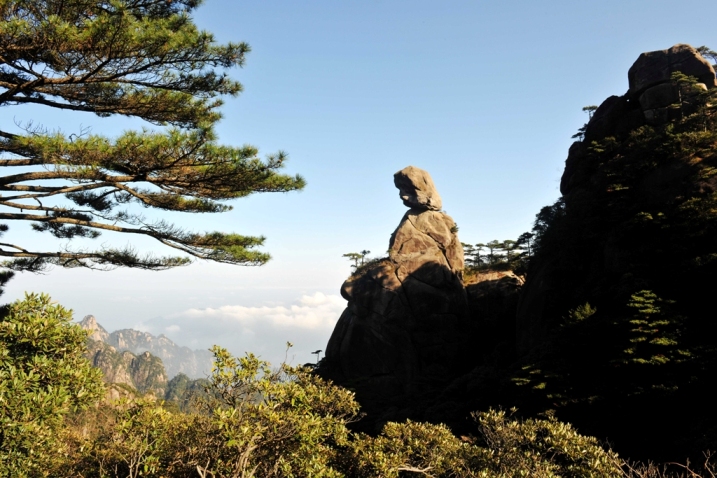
column 128, row 366
column 144, row 373
column 611, row 328
column 176, row 359
column 627, row 216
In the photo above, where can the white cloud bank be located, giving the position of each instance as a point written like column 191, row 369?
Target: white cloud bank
column 263, row 330
column 315, row 312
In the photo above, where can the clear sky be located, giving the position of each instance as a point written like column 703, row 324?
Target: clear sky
column 485, row 95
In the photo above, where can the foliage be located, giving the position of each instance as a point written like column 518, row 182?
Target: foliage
column 708, row 53
column 580, row 313
column 358, row 258
column 253, row 421
column 142, row 59
column 590, row 110
column 43, row 377
column 504, row 448
column 502, row 255
column 130, row 438
column 541, row 448
column 655, row 332
column 421, row 448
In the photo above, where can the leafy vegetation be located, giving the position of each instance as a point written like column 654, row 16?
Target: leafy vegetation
column 143, row 59
column 43, row 377
column 252, row 421
column 500, row 255
column 358, row 258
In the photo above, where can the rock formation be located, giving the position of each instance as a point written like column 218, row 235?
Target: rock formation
column 407, row 324
column 653, row 100
column 612, row 331
column 133, row 362
column 97, row 332
column 176, row 359
column 144, row 372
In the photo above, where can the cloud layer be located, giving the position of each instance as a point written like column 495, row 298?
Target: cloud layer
column 264, row 330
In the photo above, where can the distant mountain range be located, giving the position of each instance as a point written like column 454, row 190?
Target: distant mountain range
column 176, row 359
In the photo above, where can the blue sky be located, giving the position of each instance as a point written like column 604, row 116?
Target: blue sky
column 483, row 95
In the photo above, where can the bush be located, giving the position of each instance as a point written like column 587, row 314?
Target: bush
column 252, row 422
column 43, row 377
column 539, row 448
column 421, row 448
column 505, row 448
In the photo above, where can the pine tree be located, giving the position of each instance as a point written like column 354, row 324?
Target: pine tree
column 144, row 59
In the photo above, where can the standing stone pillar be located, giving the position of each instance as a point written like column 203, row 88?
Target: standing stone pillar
column 406, row 326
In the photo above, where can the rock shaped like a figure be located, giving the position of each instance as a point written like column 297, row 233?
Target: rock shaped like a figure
column 407, row 325
column 417, row 189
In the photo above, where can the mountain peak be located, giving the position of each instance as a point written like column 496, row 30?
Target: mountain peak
column 176, row 359
column 97, row 332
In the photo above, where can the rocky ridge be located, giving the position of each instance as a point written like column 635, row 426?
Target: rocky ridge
column 610, row 330
column 127, row 373
column 144, row 372
column 589, row 187
column 176, row 359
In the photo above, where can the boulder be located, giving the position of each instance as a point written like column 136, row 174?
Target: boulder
column 406, row 326
column 655, row 67
column 653, row 99
column 417, row 189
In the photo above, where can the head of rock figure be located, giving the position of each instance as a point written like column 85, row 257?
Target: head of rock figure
column 416, row 189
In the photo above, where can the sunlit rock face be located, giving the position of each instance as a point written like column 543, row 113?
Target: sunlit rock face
column 143, row 372
column 406, row 327
column 95, row 330
column 177, row 359
column 417, row 190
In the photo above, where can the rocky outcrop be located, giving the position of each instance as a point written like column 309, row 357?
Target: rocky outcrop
column 407, row 324
column 611, row 329
column 655, row 68
column 96, row 331
column 144, row 373
column 176, row 359
column 653, row 100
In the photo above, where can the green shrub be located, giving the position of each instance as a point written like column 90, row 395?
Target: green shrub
column 539, row 448
column 43, row 376
column 418, row 448
column 252, row 422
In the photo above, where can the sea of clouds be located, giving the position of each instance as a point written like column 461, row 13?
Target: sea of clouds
column 263, row 330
